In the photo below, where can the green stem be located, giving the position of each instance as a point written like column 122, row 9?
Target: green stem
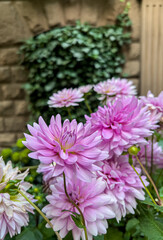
column 150, row 179
column 39, row 211
column 69, row 113
column 87, row 105
column 28, row 167
column 152, row 155
column 75, row 205
column 148, row 192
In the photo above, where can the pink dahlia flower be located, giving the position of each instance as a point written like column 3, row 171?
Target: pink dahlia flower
column 155, row 105
column 145, row 155
column 13, row 209
column 93, row 202
column 66, row 98
column 115, row 88
column 70, row 147
column 85, row 89
column 122, row 124
column 123, row 185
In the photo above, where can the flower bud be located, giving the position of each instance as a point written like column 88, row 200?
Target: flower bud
column 133, row 150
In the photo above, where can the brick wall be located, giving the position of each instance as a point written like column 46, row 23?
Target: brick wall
column 20, row 20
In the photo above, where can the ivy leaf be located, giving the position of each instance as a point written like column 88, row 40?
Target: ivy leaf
column 150, row 226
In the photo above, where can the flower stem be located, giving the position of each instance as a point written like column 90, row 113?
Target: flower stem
column 75, row 205
column 152, row 155
column 150, row 179
column 28, row 167
column 87, row 105
column 148, row 192
column 40, row 212
column 69, row 113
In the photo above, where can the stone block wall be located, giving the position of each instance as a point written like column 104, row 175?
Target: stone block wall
column 19, row 20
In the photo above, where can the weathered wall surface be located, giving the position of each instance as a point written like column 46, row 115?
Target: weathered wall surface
column 20, row 20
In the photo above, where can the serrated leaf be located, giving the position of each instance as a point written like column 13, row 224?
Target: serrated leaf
column 151, row 227
column 157, row 207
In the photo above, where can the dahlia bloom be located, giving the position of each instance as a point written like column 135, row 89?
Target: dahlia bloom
column 66, row 98
column 85, row 89
column 13, row 209
column 115, row 88
column 93, row 202
column 145, row 155
column 123, row 185
column 122, row 124
column 155, row 105
column 70, row 147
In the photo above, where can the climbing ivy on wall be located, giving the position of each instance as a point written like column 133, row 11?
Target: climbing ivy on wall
column 71, row 56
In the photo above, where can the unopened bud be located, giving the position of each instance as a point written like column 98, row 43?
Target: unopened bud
column 133, row 151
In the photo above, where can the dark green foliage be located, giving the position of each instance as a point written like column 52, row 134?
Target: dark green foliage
column 72, row 56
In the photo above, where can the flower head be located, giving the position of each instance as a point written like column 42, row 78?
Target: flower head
column 145, row 155
column 122, row 124
column 66, row 98
column 115, row 88
column 70, row 147
column 13, row 208
column 123, row 185
column 85, row 89
column 155, row 105
column 91, row 199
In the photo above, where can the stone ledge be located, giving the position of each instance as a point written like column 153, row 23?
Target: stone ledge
column 15, row 124
column 12, row 91
column 6, row 108
column 21, row 107
column 9, row 56
column 132, row 68
column 5, row 74
column 7, row 139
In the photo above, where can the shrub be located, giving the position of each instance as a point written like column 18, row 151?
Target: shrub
column 72, row 56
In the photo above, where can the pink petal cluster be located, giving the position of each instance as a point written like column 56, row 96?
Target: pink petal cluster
column 122, row 124
column 93, row 202
column 13, row 209
column 145, row 155
column 155, row 104
column 123, row 185
column 70, row 147
column 85, row 89
column 115, row 88
column 66, row 98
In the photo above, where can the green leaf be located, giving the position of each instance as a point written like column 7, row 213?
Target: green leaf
column 157, row 207
column 50, row 86
column 100, row 237
column 30, row 233
column 78, row 221
column 131, row 224
column 150, row 226
column 161, row 143
column 113, row 234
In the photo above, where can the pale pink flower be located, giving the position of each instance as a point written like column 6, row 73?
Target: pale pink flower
column 155, row 105
column 91, row 199
column 123, row 185
column 145, row 155
column 70, row 147
column 122, row 124
column 66, row 98
column 13, row 209
column 85, row 89
column 115, row 88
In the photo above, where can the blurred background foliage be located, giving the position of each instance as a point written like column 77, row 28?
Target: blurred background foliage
column 72, row 56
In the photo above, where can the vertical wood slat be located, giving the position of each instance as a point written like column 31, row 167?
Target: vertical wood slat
column 152, row 46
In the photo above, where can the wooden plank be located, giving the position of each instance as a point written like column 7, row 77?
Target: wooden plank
column 152, row 46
